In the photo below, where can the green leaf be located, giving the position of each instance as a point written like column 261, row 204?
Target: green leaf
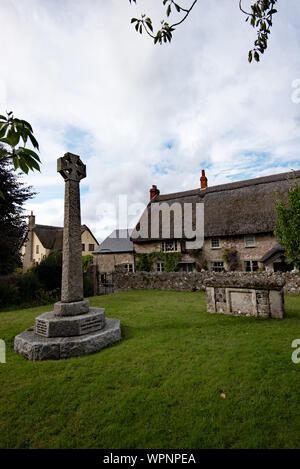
column 27, row 151
column 16, row 162
column 13, row 137
column 32, row 163
column 33, row 141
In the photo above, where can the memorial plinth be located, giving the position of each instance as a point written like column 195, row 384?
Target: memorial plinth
column 73, row 328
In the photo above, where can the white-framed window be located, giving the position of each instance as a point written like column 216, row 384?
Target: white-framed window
column 218, row 266
column 251, row 266
column 129, row 267
column 250, row 241
column 160, row 267
column 188, row 267
column 215, row 243
column 169, row 246
column 37, row 249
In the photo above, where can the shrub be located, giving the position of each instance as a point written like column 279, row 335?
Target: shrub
column 9, row 293
column 49, row 271
column 86, row 262
column 19, row 289
column 28, row 286
column 88, row 288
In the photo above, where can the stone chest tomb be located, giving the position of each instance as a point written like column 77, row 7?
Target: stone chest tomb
column 245, row 295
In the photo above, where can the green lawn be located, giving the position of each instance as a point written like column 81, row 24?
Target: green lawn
column 161, row 386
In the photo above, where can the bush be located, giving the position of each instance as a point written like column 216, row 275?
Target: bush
column 41, row 284
column 86, row 262
column 9, row 293
column 88, row 288
column 49, row 270
column 28, row 286
column 25, row 290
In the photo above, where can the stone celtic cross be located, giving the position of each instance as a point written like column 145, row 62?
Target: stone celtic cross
column 72, row 170
column 73, row 328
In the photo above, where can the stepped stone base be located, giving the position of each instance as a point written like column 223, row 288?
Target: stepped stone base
column 36, row 347
column 50, row 325
column 71, row 309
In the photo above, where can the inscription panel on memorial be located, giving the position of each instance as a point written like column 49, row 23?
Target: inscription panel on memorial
column 242, row 302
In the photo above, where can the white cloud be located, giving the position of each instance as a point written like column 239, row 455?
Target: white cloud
column 89, row 84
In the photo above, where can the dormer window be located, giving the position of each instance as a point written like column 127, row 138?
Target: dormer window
column 215, row 243
column 250, row 241
column 169, row 246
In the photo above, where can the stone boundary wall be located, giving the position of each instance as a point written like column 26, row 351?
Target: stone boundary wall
column 195, row 281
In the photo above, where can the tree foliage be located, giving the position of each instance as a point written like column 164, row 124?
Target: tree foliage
column 260, row 17
column 287, row 229
column 12, row 222
column 12, row 132
column 49, row 270
column 87, row 261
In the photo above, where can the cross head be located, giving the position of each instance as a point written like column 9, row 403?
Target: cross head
column 71, row 167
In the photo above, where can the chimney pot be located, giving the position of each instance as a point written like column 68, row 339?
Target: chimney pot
column 203, row 180
column 154, row 191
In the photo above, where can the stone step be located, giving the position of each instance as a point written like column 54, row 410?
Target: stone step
column 36, row 347
column 50, row 325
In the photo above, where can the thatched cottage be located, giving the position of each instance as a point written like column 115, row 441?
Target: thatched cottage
column 239, row 219
column 44, row 239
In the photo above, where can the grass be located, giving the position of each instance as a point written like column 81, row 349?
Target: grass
column 161, row 386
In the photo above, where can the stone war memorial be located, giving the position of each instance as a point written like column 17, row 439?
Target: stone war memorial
column 73, row 328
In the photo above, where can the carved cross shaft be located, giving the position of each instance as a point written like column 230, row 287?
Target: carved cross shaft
column 72, row 170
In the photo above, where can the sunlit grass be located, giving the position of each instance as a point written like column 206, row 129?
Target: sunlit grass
column 161, row 386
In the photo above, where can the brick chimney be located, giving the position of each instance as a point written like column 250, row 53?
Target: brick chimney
column 203, row 181
column 31, row 221
column 154, row 192
column 28, row 256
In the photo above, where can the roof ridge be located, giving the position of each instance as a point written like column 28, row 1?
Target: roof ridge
column 229, row 185
column 48, row 226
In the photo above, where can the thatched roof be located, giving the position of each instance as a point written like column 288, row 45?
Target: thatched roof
column 51, row 237
column 237, row 208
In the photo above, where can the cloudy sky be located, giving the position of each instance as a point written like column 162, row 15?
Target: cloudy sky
column 140, row 114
